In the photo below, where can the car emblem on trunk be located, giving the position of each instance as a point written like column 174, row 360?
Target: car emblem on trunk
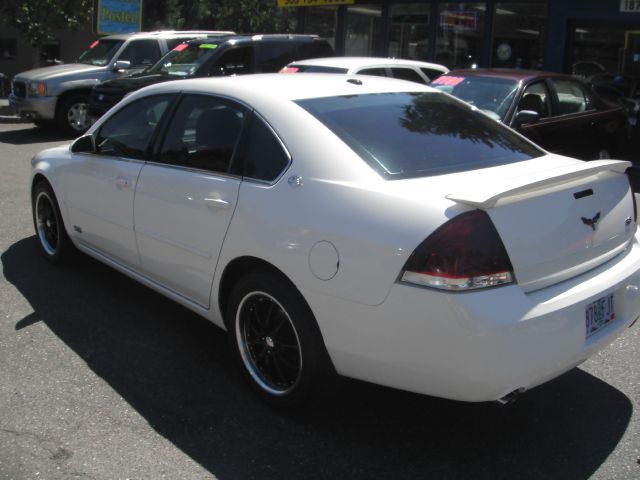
column 592, row 222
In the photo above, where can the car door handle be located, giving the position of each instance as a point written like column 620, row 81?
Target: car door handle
column 217, row 203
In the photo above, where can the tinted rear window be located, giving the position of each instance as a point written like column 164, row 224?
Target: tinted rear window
column 406, row 135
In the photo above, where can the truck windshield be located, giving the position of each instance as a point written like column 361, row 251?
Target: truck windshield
column 407, row 135
column 100, row 52
column 184, row 60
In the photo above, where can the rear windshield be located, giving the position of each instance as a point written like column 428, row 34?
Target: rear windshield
column 184, row 60
column 407, row 135
column 100, row 52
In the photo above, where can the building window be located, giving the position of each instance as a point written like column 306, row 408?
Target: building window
column 362, row 30
column 518, row 35
column 409, row 31
column 8, row 48
column 460, row 34
column 322, row 21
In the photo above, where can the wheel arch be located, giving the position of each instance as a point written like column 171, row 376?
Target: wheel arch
column 40, row 177
column 69, row 93
column 235, row 269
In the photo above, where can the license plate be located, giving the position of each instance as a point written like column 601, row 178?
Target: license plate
column 598, row 314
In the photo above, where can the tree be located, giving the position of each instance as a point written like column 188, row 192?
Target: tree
column 242, row 16
column 37, row 19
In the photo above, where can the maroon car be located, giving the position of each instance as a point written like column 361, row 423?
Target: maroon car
column 558, row 112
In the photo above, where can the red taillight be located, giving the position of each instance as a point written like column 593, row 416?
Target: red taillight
column 289, row 70
column 463, row 254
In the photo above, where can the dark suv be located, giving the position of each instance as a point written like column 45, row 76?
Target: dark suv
column 220, row 56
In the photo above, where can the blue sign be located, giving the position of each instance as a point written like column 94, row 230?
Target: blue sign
column 119, row 16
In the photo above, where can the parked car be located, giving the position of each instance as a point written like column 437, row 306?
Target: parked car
column 232, row 55
column 558, row 112
column 369, row 227
column 60, row 92
column 412, row 70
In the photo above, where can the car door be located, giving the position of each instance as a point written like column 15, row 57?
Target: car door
column 536, row 98
column 140, row 54
column 101, row 185
column 186, row 197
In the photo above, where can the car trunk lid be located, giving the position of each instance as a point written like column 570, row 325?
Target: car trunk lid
column 560, row 221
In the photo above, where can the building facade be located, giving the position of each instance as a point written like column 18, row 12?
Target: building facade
column 556, row 35
column 542, row 34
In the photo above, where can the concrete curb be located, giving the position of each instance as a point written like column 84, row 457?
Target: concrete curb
column 12, row 119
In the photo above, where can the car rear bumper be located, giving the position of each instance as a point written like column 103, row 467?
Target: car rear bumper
column 34, row 108
column 477, row 346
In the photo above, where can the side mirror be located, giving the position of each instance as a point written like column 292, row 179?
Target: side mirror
column 525, row 116
column 84, row 144
column 121, row 65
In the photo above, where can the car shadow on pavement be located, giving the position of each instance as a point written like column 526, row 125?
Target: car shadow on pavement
column 32, row 134
column 175, row 369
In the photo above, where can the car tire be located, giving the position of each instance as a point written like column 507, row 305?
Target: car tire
column 42, row 123
column 52, row 236
column 277, row 342
column 72, row 116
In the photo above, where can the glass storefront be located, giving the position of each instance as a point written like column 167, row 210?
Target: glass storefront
column 598, row 48
column 518, row 35
column 362, row 30
column 322, row 21
column 460, row 34
column 409, row 31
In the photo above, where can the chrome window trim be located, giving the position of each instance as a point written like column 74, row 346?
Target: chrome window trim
column 193, row 170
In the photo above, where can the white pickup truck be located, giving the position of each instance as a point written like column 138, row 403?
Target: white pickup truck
column 60, row 93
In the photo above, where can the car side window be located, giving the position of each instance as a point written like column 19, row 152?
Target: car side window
column 234, row 61
column 572, row 97
column 141, row 53
column 407, row 74
column 535, row 98
column 431, row 73
column 272, row 56
column 128, row 133
column 265, row 158
column 378, row 72
column 203, row 133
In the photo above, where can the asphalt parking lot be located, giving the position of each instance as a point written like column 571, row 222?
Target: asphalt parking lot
column 101, row 378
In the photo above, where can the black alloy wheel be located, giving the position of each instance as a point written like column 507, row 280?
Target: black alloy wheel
column 268, row 343
column 277, row 342
column 53, row 240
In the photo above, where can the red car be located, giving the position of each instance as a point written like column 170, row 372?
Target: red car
column 558, row 112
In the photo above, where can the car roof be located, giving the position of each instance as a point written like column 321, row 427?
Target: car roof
column 167, row 34
column 506, row 73
column 257, row 38
column 278, row 87
column 359, row 62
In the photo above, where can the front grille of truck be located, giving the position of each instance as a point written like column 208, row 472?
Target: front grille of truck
column 19, row 89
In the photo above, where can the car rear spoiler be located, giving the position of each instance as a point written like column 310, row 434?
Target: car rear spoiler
column 486, row 196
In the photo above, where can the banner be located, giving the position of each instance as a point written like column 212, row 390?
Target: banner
column 312, row 3
column 118, row 16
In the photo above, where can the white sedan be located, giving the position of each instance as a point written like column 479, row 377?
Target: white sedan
column 366, row 227
column 410, row 70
